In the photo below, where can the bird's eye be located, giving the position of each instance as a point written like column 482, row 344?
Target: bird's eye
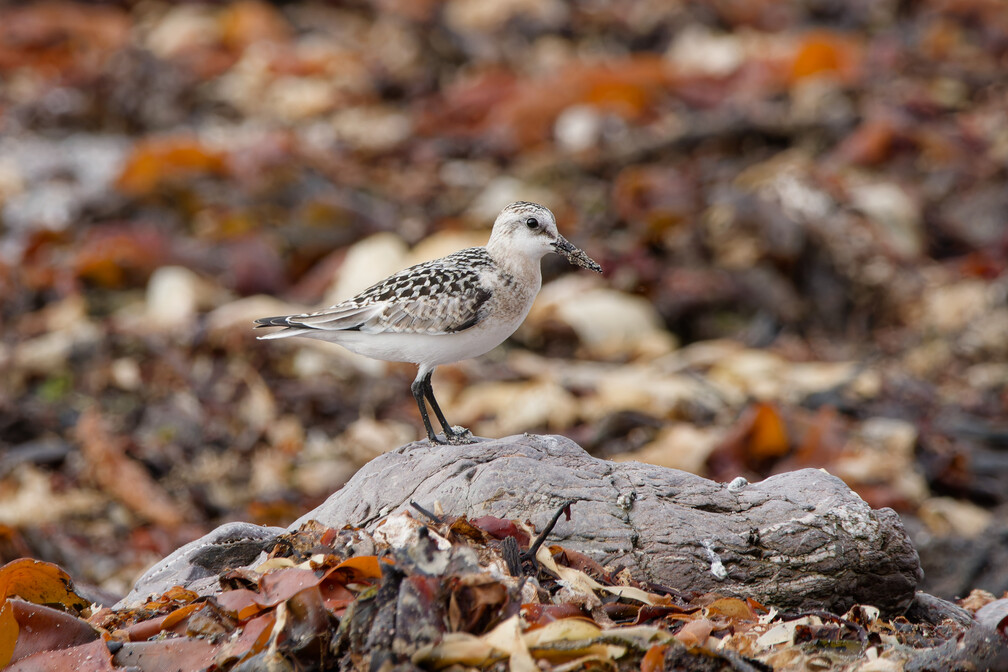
column 532, row 223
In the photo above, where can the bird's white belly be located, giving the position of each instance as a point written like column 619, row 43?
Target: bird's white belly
column 429, row 349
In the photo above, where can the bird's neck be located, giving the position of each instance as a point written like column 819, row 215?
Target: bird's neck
column 522, row 267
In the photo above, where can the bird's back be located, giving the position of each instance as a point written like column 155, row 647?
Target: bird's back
column 441, row 296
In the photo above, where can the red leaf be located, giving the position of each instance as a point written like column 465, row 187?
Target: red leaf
column 181, row 653
column 500, row 528
column 537, row 615
column 45, row 629
column 91, row 657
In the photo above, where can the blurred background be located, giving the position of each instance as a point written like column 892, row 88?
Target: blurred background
column 801, row 207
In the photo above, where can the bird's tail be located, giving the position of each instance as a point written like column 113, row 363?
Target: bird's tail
column 279, row 321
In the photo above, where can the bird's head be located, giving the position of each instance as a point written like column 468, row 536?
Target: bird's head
column 530, row 230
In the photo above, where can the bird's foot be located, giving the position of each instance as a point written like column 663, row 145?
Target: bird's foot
column 459, row 436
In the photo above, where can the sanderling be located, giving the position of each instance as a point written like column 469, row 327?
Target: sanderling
column 446, row 310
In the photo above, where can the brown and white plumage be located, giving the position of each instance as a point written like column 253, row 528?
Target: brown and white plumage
column 441, row 296
column 448, row 309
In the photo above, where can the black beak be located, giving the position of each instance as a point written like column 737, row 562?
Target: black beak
column 574, row 255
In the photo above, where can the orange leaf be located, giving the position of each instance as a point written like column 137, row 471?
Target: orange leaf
column 361, row 567
column 757, row 606
column 251, row 21
column 768, row 436
column 732, row 608
column 654, row 659
column 179, row 594
column 169, row 610
column 822, row 52
column 159, row 160
column 8, row 633
column 695, row 633
column 39, row 582
column 244, row 602
column 627, row 87
column 179, row 615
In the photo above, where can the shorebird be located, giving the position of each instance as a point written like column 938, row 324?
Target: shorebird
column 448, row 309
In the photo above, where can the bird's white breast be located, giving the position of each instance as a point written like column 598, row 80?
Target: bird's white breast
column 509, row 304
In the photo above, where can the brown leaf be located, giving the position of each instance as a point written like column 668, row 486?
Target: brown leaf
column 821, row 441
column 145, row 629
column 336, row 596
column 870, row 144
column 114, row 255
column 580, row 561
column 206, row 621
column 61, row 39
column 283, row 584
column 662, row 197
column 243, row 602
column 121, row 476
column 253, row 638
column 465, row 530
column 474, row 603
column 308, row 618
column 173, row 621
column 648, row 613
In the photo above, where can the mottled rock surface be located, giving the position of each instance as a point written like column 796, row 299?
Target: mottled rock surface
column 801, row 539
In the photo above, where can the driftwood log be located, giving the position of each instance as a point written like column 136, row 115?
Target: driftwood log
column 797, row 540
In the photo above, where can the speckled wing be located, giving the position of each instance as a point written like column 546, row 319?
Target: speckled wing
column 437, row 297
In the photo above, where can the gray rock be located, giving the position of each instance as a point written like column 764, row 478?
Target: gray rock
column 797, row 540
column 198, row 564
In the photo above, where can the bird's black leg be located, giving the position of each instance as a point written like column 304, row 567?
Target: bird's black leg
column 451, row 435
column 429, row 392
column 419, row 388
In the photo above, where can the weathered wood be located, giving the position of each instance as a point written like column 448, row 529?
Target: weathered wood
column 796, row 540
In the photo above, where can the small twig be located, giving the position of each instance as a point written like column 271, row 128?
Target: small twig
column 530, row 554
column 433, row 516
column 512, row 556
